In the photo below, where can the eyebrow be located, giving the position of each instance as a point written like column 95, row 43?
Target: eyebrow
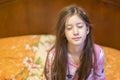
column 80, row 23
column 76, row 23
column 68, row 24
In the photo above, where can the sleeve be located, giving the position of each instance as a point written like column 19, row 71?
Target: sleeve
column 48, row 65
column 99, row 70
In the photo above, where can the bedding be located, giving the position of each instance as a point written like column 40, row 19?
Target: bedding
column 23, row 58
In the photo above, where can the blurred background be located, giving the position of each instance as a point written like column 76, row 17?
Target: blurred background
column 28, row 17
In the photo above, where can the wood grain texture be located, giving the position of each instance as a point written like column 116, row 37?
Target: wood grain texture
column 21, row 17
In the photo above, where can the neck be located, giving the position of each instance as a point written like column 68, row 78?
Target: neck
column 75, row 49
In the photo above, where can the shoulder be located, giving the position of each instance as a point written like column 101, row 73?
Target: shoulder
column 51, row 54
column 99, row 54
column 98, row 50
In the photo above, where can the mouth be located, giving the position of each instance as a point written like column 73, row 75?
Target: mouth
column 76, row 38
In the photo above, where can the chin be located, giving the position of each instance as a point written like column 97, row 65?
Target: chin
column 77, row 43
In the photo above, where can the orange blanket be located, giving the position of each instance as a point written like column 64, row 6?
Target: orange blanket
column 12, row 53
column 23, row 57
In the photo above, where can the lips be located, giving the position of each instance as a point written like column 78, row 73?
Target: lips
column 76, row 38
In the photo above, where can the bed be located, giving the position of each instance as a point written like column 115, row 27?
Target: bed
column 23, row 58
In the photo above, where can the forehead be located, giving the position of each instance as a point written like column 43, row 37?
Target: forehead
column 74, row 19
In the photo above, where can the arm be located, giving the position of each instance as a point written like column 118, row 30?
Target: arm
column 99, row 71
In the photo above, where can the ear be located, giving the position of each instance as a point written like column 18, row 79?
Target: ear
column 88, row 30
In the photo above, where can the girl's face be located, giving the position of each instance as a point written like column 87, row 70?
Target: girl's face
column 75, row 30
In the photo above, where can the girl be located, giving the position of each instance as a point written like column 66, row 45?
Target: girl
column 74, row 55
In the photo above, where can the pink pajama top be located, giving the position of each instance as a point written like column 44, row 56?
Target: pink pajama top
column 99, row 70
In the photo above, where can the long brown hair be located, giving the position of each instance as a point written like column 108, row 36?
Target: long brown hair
column 58, row 70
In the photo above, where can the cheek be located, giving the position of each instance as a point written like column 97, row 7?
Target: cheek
column 84, row 33
column 67, row 34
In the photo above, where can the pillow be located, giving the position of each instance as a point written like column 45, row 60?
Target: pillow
column 40, row 49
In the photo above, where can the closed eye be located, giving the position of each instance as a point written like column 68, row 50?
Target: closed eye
column 69, row 27
column 80, row 26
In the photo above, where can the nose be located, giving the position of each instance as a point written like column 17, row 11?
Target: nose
column 75, row 31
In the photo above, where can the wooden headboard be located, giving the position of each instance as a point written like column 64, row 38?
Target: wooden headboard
column 24, row 17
